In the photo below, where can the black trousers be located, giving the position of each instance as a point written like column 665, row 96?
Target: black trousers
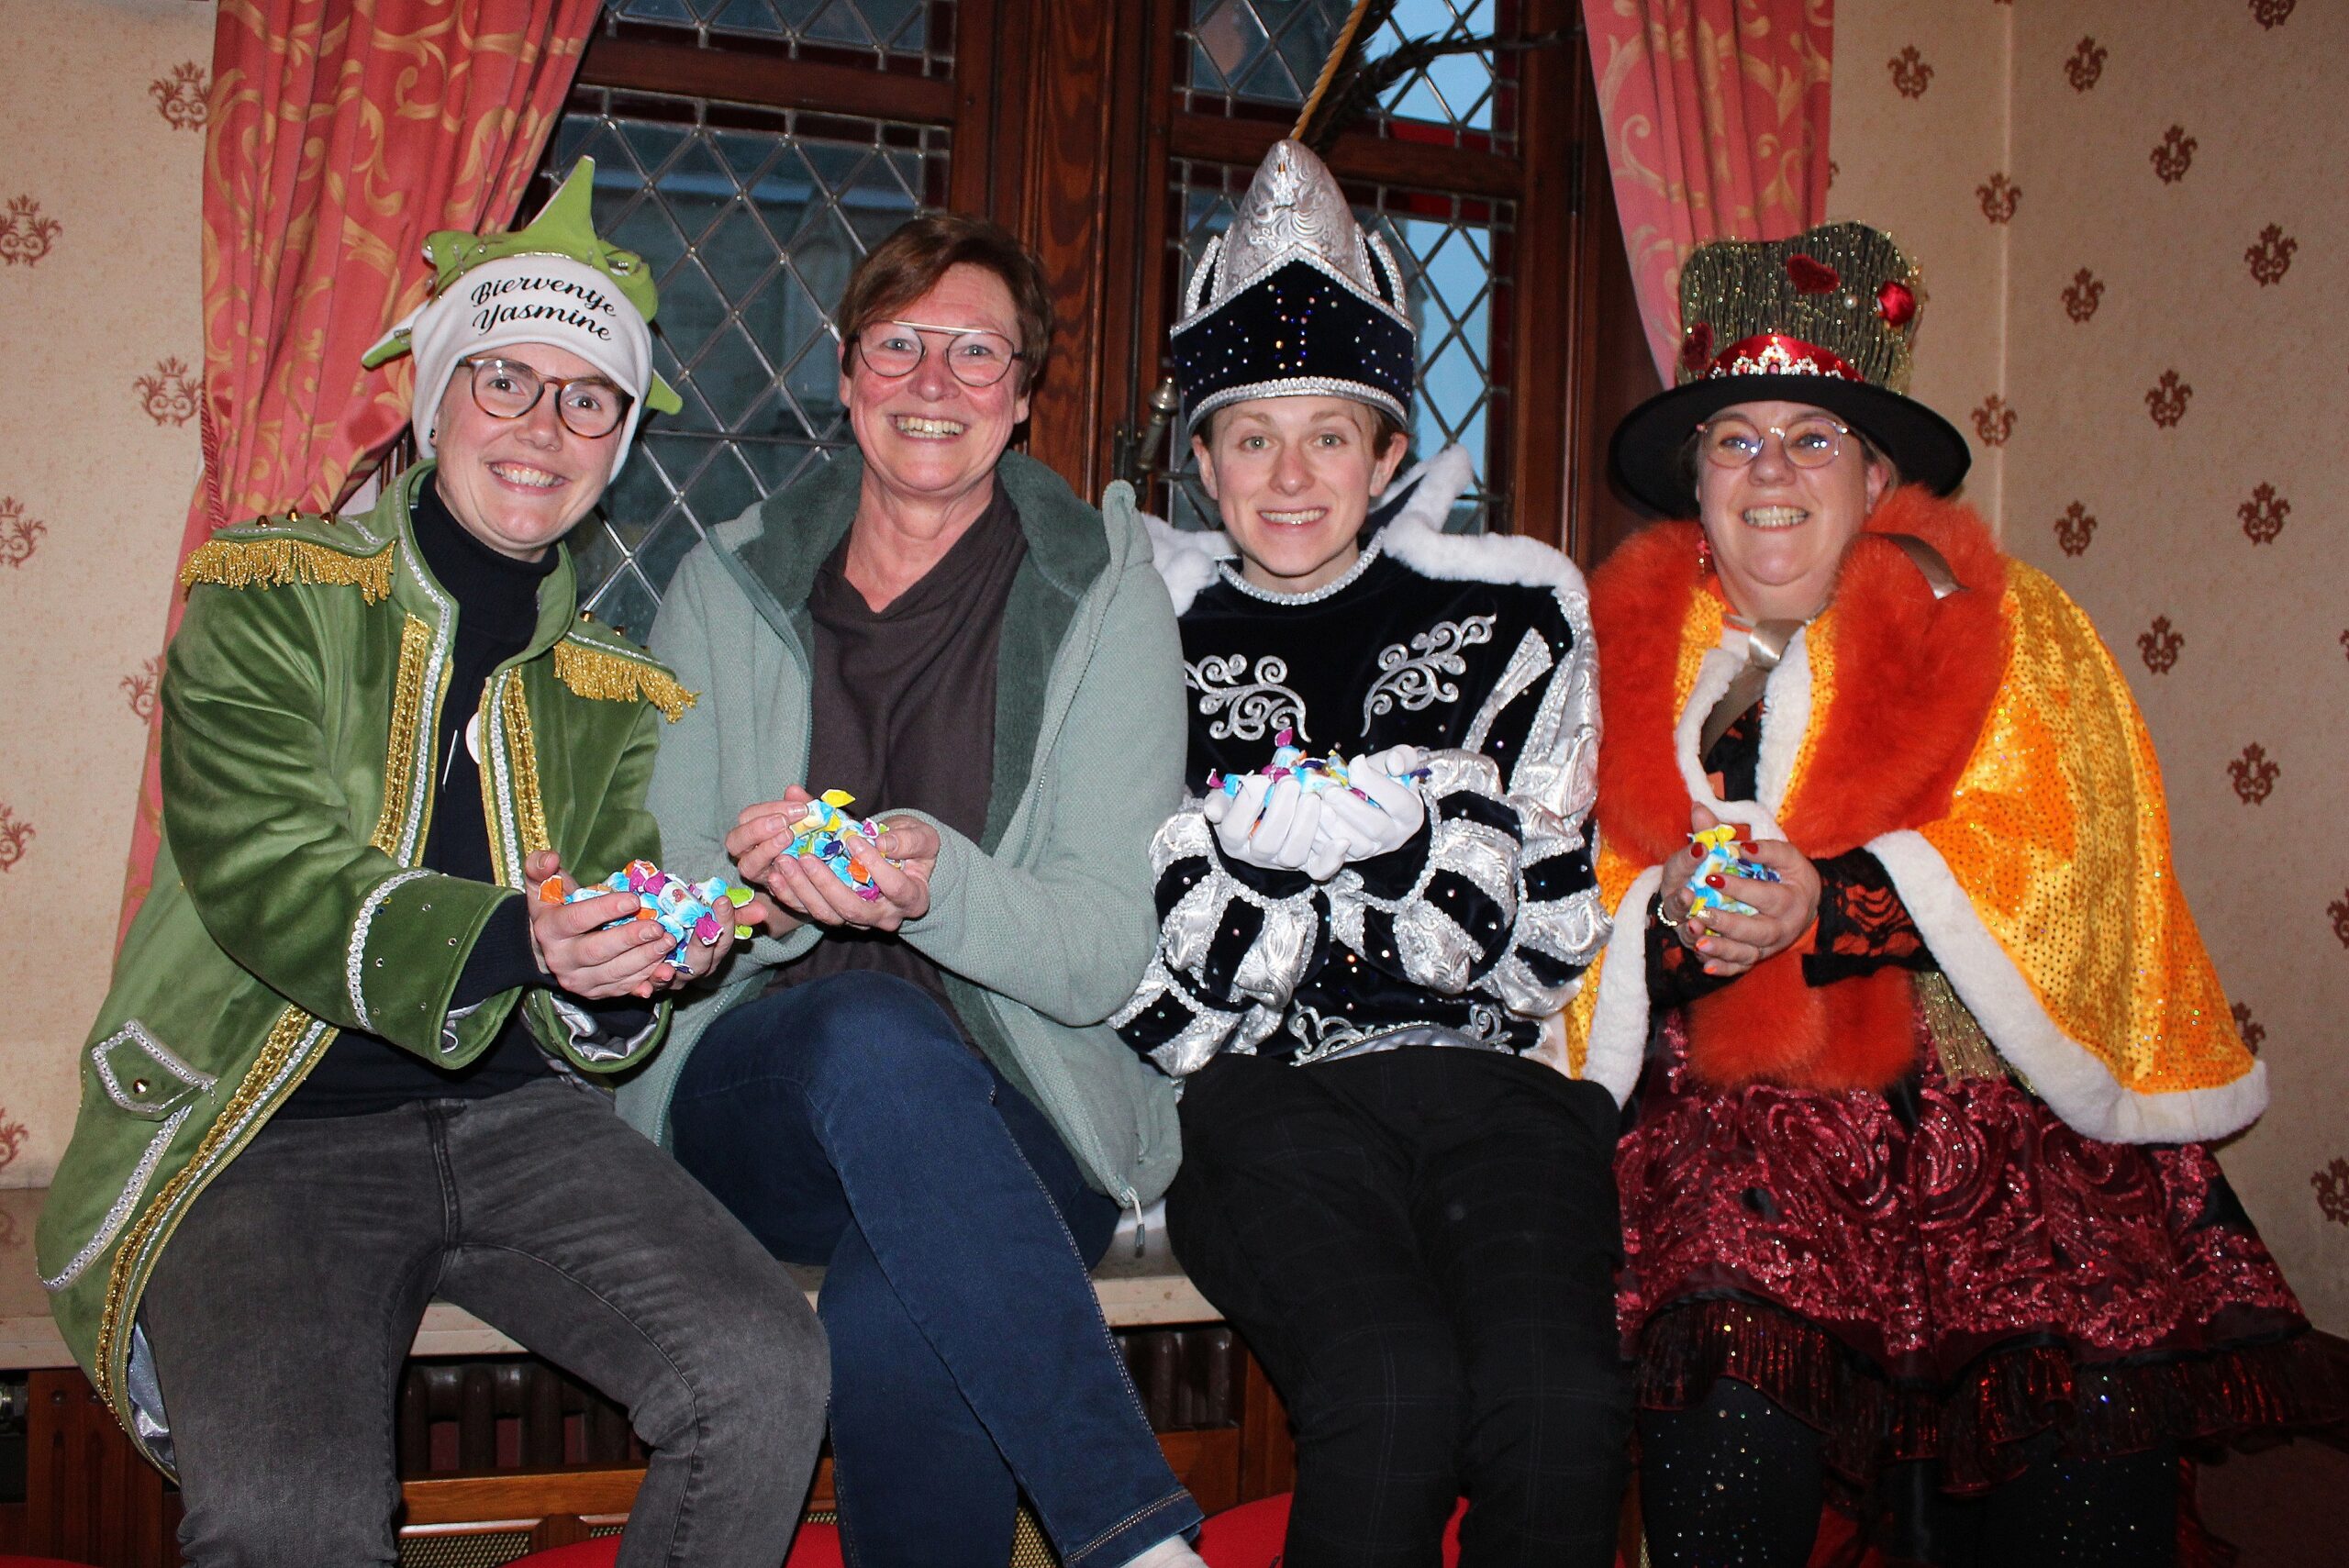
column 1418, row 1245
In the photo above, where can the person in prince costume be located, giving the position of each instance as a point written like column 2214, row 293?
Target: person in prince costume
column 1919, row 1214
column 1387, row 1184
column 344, row 1066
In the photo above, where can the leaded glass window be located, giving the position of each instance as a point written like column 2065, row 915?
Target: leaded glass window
column 1453, row 254
column 1271, row 51
column 751, row 221
column 896, row 34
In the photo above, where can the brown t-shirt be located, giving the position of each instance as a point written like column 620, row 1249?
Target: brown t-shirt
column 904, row 710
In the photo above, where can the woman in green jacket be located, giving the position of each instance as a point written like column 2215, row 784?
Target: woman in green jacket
column 341, row 1070
column 918, row 1090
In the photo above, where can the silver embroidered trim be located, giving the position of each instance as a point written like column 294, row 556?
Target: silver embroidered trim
column 428, row 725
column 1198, row 1042
column 588, row 1036
column 1298, row 386
column 1413, row 678
column 1323, row 1037
column 354, row 958
column 1292, row 211
column 1259, row 704
column 125, row 1201
column 1311, row 595
column 1528, row 664
column 452, row 1018
column 1570, row 929
column 156, row 1051
column 1559, row 766
column 501, row 776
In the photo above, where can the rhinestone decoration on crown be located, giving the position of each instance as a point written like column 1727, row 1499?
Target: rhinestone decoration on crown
column 1294, row 300
column 1294, row 212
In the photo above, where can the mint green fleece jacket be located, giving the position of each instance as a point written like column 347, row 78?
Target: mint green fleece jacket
column 1045, row 924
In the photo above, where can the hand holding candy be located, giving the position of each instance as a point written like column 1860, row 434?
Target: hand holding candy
column 1780, row 905
column 847, row 846
column 1378, row 811
column 1718, row 859
column 594, row 947
column 687, row 911
column 1314, row 814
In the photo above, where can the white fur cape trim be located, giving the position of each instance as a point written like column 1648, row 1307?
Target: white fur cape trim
column 1618, row 1046
column 2073, row 1079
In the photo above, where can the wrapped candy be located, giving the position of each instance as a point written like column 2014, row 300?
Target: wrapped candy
column 1313, row 775
column 1708, row 884
column 687, row 911
column 826, row 833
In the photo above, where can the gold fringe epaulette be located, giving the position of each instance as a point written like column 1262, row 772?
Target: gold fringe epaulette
column 594, row 672
column 269, row 562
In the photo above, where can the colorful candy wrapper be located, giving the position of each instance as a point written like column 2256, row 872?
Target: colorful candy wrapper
column 1708, row 882
column 687, row 911
column 824, row 833
column 1313, row 775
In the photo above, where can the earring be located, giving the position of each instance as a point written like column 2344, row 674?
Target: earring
column 1703, row 556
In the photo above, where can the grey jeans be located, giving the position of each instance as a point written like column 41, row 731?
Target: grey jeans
column 284, row 1306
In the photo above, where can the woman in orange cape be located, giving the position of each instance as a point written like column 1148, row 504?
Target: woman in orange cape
column 1917, row 1210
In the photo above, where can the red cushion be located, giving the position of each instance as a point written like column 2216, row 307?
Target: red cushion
column 1251, row 1536
column 816, row 1546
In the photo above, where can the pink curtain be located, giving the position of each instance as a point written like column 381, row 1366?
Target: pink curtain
column 341, row 133
column 1715, row 120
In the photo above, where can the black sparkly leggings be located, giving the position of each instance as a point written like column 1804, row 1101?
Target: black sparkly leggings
column 1738, row 1483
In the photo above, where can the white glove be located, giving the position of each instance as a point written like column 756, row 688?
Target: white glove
column 1351, row 828
column 1270, row 823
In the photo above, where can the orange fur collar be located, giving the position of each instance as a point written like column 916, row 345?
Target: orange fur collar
column 1913, row 681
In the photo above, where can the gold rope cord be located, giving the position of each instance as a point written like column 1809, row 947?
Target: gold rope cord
column 275, row 1050
column 522, row 747
column 408, row 712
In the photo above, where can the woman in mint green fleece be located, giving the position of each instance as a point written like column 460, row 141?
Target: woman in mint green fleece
column 919, row 1091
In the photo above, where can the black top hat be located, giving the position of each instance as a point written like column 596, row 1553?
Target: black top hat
column 1826, row 318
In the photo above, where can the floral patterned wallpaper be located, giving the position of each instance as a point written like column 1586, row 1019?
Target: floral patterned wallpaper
column 99, row 200
column 2135, row 234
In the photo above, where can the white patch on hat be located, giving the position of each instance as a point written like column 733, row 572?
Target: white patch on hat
column 548, row 299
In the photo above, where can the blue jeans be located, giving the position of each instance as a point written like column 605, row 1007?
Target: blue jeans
column 845, row 1123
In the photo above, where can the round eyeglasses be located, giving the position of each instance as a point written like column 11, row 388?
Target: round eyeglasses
column 977, row 358
column 1814, row 440
column 589, row 406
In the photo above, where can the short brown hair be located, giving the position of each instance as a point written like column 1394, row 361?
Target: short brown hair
column 908, row 263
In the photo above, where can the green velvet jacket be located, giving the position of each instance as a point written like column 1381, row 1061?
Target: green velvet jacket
column 301, row 704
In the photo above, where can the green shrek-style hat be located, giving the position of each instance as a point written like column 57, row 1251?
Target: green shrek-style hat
column 551, row 282
column 1828, row 318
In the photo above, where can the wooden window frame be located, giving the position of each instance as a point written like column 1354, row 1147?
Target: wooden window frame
column 1064, row 128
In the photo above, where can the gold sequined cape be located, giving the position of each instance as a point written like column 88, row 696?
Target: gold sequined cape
column 2040, row 879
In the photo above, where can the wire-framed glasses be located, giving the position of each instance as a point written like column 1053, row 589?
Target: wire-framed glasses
column 976, row 357
column 1812, row 440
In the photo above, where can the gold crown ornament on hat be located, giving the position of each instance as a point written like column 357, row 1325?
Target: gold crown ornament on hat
column 1827, row 318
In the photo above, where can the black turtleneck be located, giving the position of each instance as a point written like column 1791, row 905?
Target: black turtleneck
column 498, row 611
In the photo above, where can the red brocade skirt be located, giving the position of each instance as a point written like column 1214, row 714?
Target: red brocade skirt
column 1947, row 1272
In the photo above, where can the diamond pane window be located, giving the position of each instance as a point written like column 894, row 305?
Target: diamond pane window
column 751, row 225
column 1271, row 51
column 1455, row 256
column 896, row 34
